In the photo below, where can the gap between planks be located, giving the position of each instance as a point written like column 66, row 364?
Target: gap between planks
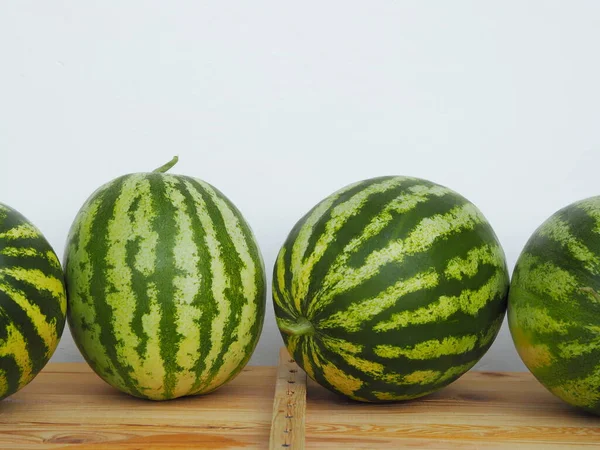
column 289, row 405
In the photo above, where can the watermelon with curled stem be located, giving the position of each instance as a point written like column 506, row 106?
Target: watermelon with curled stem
column 165, row 283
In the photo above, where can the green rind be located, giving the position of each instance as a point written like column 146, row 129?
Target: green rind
column 554, row 310
column 32, row 301
column 166, row 286
column 403, row 281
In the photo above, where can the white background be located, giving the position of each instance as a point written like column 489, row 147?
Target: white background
column 278, row 104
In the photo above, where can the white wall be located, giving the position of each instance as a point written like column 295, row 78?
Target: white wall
column 279, row 104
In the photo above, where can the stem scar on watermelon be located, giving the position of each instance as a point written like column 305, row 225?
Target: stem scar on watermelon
column 165, row 283
column 390, row 289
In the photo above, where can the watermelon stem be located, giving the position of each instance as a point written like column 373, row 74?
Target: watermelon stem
column 167, row 166
column 301, row 327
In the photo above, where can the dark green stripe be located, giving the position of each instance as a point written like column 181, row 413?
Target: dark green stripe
column 549, row 250
column 33, row 262
column 436, row 258
column 401, row 366
column 36, row 347
column 353, row 227
column 582, row 226
column 166, row 272
column 260, row 282
column 97, row 249
column 11, row 372
column 13, row 219
column 139, row 283
column 457, row 324
column 403, row 224
column 287, row 261
column 232, row 263
column 49, row 306
column 373, row 204
column 204, row 299
column 317, row 230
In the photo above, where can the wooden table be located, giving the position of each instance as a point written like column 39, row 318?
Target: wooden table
column 67, row 406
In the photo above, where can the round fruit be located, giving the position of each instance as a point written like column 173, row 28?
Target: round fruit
column 32, row 301
column 554, row 304
column 166, row 285
column 390, row 289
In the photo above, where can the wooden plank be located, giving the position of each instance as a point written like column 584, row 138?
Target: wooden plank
column 482, row 410
column 289, row 405
column 68, row 406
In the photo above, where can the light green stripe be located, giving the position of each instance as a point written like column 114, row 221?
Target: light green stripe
column 488, row 335
column 3, row 380
column 119, row 293
column 537, row 320
column 151, row 373
column 468, row 301
column 186, row 285
column 79, row 262
column 459, row 267
column 573, row 349
column 236, row 352
column 315, row 348
column 424, row 377
column 278, row 302
column 559, row 231
column 341, row 277
column 592, row 207
column 39, row 281
column 147, row 237
column 29, row 252
column 392, row 396
column 343, row 382
column 582, row 391
column 307, row 365
column 419, row 377
column 545, row 278
column 282, row 300
column 337, row 345
column 44, row 328
column 15, row 346
column 400, row 205
column 304, row 235
column 338, row 217
column 219, row 285
column 430, row 349
column 292, row 344
column 371, row 368
column 21, row 252
column 23, row 231
column 456, row 370
column 149, row 368
column 357, row 314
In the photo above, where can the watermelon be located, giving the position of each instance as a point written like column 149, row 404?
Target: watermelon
column 165, row 285
column 33, row 301
column 390, row 289
column 554, row 304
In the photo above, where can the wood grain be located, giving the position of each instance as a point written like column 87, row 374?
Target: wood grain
column 482, row 410
column 289, row 405
column 67, row 406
